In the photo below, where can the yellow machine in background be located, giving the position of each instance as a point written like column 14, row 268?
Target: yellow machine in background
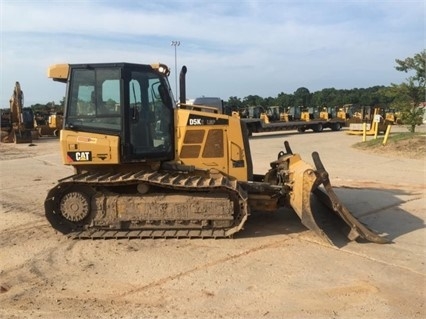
column 146, row 167
column 373, row 121
column 55, row 123
column 305, row 114
column 48, row 123
column 327, row 113
column 18, row 123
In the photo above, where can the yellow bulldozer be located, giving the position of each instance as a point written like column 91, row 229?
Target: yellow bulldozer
column 146, row 166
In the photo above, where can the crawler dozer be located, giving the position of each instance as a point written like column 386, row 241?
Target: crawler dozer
column 147, row 166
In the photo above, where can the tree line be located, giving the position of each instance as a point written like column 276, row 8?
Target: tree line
column 326, row 97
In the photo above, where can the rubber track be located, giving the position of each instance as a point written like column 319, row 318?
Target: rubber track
column 165, row 179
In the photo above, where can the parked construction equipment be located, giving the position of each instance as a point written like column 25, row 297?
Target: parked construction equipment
column 372, row 123
column 293, row 118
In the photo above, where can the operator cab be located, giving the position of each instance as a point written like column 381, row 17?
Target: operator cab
column 131, row 101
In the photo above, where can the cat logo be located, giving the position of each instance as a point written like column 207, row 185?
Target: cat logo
column 79, row 156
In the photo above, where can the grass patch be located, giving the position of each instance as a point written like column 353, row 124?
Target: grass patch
column 393, row 138
column 407, row 145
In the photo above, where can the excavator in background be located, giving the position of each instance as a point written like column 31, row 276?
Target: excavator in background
column 148, row 167
column 18, row 123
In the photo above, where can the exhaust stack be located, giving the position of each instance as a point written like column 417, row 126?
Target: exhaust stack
column 182, row 85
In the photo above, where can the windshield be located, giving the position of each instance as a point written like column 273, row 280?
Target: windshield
column 95, row 99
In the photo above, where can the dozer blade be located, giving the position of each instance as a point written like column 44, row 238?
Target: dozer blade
column 305, row 182
column 329, row 198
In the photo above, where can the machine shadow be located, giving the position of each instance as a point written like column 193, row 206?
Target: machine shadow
column 378, row 209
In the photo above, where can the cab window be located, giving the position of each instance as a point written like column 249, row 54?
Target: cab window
column 95, row 100
column 151, row 114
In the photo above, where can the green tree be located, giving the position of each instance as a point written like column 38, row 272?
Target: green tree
column 325, row 97
column 62, row 103
column 409, row 95
column 284, row 100
column 234, row 103
column 269, row 101
column 302, row 97
column 253, row 100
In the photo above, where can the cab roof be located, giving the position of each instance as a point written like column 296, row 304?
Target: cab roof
column 60, row 72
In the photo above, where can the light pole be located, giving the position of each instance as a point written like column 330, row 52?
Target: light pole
column 175, row 44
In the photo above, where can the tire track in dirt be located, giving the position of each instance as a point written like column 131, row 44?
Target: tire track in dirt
column 351, row 184
column 41, row 270
column 364, row 256
column 213, row 263
column 32, row 206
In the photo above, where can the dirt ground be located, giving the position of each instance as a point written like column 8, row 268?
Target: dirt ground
column 274, row 268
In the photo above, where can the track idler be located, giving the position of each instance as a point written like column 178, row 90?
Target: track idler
column 305, row 181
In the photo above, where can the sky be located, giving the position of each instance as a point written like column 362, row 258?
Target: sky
column 231, row 48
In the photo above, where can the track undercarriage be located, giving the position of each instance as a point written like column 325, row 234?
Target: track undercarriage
column 145, row 204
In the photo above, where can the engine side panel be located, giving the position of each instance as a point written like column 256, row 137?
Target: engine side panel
column 212, row 141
